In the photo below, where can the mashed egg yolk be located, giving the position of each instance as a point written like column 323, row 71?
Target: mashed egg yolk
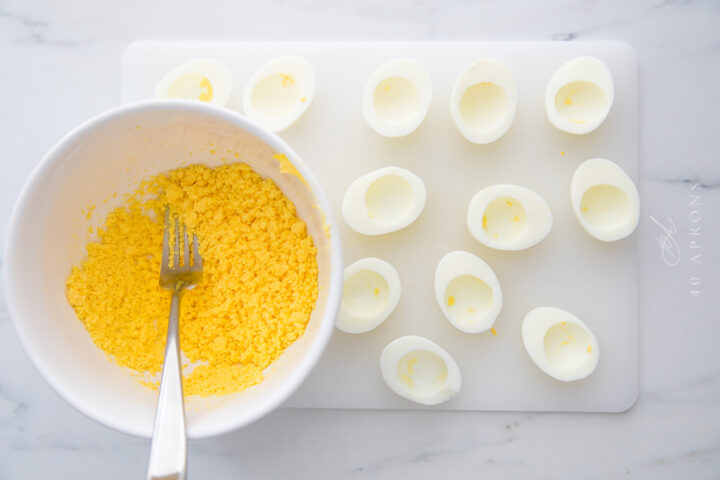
column 258, row 289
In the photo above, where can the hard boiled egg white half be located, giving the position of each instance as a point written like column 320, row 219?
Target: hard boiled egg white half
column 605, row 200
column 384, row 201
column 420, row 370
column 200, row 79
column 279, row 92
column 484, row 101
column 579, row 95
column 468, row 292
column 397, row 97
column 371, row 291
column 560, row 344
column 508, row 217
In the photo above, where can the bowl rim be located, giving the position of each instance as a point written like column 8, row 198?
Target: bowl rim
column 58, row 152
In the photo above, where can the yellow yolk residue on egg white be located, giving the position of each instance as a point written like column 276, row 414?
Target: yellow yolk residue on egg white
column 207, row 91
column 411, row 365
column 192, row 85
column 259, row 286
column 287, row 79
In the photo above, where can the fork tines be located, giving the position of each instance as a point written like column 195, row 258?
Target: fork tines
column 178, row 242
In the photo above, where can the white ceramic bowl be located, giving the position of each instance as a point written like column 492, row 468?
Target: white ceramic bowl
column 48, row 232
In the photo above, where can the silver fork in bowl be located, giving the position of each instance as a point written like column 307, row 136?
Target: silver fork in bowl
column 168, row 452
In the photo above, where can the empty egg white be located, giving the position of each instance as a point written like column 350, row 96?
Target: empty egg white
column 605, row 200
column 508, row 217
column 384, row 201
column 397, row 97
column 279, row 92
column 484, row 101
column 579, row 95
column 371, row 291
column 467, row 291
column 420, row 370
column 560, row 344
column 200, row 79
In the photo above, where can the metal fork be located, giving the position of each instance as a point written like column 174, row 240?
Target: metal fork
column 168, row 452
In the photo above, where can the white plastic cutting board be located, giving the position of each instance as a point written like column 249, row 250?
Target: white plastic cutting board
column 569, row 269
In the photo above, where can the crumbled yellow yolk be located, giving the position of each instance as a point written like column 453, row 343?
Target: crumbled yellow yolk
column 589, row 349
column 494, row 332
column 564, row 342
column 484, row 222
column 516, row 218
column 584, row 209
column 509, row 203
column 259, row 281
column 303, row 99
column 451, row 301
column 376, row 292
column 562, row 153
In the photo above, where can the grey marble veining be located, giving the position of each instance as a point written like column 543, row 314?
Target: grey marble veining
column 60, row 65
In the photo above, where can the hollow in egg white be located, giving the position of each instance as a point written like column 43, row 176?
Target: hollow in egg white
column 560, row 344
column 397, row 97
column 484, row 101
column 468, row 292
column 279, row 92
column 605, row 200
column 508, row 217
column 199, row 79
column 371, row 291
column 579, row 95
column 420, row 370
column 384, row 201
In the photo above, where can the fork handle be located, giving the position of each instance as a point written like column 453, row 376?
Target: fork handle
column 168, row 452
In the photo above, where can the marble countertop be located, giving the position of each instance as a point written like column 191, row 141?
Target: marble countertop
column 60, row 65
